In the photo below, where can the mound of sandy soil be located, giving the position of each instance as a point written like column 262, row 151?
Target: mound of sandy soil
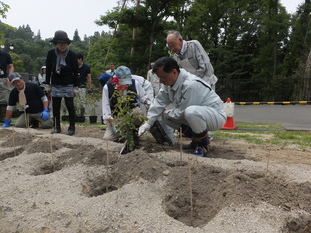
column 81, row 183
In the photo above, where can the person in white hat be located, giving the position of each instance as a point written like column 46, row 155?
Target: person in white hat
column 32, row 100
column 42, row 75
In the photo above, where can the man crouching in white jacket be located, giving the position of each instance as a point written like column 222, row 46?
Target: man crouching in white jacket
column 196, row 106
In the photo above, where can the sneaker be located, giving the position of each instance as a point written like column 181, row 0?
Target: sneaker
column 200, row 152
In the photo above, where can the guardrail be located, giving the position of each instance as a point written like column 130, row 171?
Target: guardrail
column 278, row 102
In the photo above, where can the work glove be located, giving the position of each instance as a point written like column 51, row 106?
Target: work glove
column 45, row 114
column 143, row 129
column 75, row 91
column 148, row 103
column 47, row 88
column 7, row 123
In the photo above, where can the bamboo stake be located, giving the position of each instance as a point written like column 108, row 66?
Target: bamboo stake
column 107, row 165
column 268, row 161
column 190, row 189
column 51, row 147
column 180, row 142
column 13, row 137
column 26, row 120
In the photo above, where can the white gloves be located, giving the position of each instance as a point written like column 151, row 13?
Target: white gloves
column 143, row 129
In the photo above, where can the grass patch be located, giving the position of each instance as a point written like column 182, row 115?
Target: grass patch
column 266, row 134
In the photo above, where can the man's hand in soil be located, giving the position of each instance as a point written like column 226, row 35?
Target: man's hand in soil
column 143, row 129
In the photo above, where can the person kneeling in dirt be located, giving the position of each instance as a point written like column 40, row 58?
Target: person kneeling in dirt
column 33, row 102
column 120, row 109
column 196, row 106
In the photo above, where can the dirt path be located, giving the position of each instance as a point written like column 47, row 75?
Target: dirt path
column 58, row 183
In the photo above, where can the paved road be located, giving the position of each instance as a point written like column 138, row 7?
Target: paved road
column 293, row 117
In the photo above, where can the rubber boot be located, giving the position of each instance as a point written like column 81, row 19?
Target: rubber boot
column 202, row 143
column 187, row 131
column 72, row 123
column 71, row 130
column 2, row 113
column 57, row 128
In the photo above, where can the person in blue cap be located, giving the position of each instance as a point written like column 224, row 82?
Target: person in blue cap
column 122, row 81
column 103, row 79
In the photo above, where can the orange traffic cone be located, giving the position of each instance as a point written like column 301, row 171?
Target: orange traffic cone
column 229, row 109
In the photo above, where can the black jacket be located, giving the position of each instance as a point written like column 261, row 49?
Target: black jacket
column 68, row 74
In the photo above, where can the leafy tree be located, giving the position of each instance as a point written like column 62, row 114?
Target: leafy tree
column 298, row 54
column 148, row 20
column 76, row 37
column 4, row 8
column 18, row 62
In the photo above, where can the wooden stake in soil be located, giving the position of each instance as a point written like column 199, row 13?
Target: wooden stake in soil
column 190, row 188
column 107, row 165
column 267, row 170
column 53, row 156
column 51, row 147
column 26, row 120
column 13, row 139
column 180, row 142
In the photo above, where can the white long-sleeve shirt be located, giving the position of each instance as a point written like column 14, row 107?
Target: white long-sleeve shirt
column 146, row 86
column 141, row 95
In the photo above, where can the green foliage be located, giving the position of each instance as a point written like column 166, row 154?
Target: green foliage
column 124, row 120
column 18, row 62
column 3, row 9
column 92, row 100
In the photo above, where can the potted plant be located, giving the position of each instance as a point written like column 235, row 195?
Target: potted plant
column 93, row 100
column 80, row 103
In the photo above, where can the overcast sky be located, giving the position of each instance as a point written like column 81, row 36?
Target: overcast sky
column 49, row 16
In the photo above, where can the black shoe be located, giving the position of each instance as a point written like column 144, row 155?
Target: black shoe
column 189, row 146
column 56, row 130
column 71, row 131
column 34, row 124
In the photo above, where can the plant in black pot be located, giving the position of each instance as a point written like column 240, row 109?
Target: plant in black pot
column 93, row 98
column 65, row 116
column 80, row 103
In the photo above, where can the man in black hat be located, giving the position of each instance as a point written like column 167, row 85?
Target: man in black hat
column 33, row 101
column 62, row 74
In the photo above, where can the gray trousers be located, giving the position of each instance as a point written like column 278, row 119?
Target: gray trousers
column 4, row 91
column 198, row 118
column 23, row 122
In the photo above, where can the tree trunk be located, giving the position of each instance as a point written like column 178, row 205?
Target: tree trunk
column 134, row 33
column 307, row 80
